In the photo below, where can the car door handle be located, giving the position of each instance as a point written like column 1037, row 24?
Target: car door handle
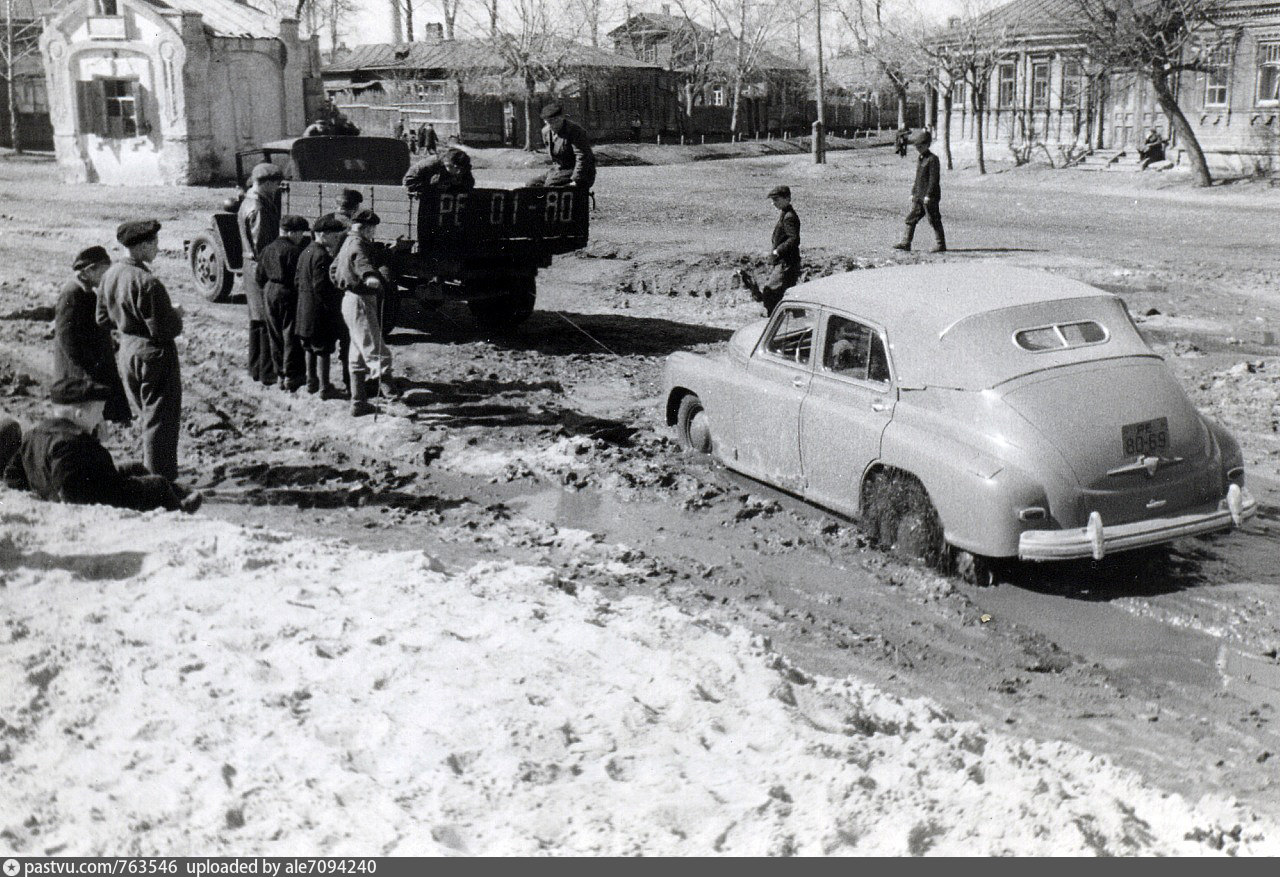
column 879, row 406
column 797, row 382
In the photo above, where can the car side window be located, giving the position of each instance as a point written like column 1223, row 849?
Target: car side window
column 854, row 350
column 792, row 335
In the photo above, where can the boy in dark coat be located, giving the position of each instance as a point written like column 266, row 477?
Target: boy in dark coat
column 320, row 324
column 926, row 193
column 277, row 270
column 62, row 460
column 84, row 357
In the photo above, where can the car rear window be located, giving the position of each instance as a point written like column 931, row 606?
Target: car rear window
column 792, row 336
column 1061, row 336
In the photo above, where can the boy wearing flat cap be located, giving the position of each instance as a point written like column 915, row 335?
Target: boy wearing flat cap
column 135, row 302
column 84, row 356
column 447, row 172
column 276, row 275
column 347, row 205
column 784, row 254
column 570, row 150
column 357, row 272
column 259, row 222
column 926, row 193
column 320, row 324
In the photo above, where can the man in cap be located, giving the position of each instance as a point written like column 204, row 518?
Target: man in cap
column 135, row 302
column 320, row 324
column 356, row 270
column 784, row 255
column 428, row 139
column 348, row 205
column 259, row 223
column 84, row 356
column 62, row 459
column 926, row 192
column 570, row 151
column 448, row 172
column 276, row 275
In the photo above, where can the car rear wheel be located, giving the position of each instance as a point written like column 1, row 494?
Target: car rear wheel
column 692, row 426
column 506, row 311
column 212, row 276
column 899, row 517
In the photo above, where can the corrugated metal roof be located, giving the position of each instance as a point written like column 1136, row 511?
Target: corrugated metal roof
column 471, row 55
column 227, row 18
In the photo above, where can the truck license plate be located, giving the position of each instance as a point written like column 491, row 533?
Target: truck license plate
column 1148, row 437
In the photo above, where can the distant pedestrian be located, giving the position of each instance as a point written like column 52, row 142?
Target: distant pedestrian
column 62, row 459
column 570, row 150
column 357, row 272
column 637, row 128
column 320, row 324
column 84, row 356
column 926, row 193
column 901, row 140
column 135, row 302
column 276, row 275
column 428, row 139
column 259, row 224
column 1152, row 149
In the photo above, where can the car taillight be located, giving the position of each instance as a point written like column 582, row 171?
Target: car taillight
column 1033, row 513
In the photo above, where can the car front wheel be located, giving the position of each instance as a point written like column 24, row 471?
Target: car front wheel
column 692, row 426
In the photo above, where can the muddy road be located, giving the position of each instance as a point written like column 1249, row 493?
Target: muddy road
column 549, row 443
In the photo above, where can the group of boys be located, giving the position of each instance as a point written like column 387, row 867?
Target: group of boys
column 307, row 300
column 98, row 379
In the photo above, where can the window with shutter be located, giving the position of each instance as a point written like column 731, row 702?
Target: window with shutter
column 1269, row 74
column 90, row 106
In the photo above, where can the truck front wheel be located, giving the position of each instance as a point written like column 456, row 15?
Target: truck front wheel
column 212, row 276
column 504, row 312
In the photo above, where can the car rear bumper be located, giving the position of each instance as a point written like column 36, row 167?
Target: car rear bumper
column 1098, row 540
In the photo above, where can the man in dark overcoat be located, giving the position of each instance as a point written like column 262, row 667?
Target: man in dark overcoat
column 84, row 356
column 136, row 304
column 785, row 252
column 277, row 273
column 448, row 172
column 320, row 323
column 926, row 193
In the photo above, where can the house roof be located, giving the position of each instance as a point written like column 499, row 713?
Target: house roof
column 471, row 55
column 30, row 10
column 656, row 21
column 226, row 18
column 723, row 47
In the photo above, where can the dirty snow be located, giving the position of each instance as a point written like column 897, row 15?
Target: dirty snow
column 230, row 690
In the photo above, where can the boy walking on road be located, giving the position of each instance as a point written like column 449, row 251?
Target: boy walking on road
column 926, row 192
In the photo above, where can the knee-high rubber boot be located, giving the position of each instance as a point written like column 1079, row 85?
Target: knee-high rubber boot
column 313, row 379
column 360, row 396
column 908, row 232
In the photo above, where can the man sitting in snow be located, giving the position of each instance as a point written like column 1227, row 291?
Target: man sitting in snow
column 62, row 460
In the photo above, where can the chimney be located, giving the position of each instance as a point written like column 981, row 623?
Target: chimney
column 953, row 22
column 666, row 8
column 434, row 32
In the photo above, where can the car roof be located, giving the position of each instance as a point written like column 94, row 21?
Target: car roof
column 954, row 325
column 930, row 299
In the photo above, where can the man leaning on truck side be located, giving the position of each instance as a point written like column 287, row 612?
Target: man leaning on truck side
column 259, row 223
column 570, row 151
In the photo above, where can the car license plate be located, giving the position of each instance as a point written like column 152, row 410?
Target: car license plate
column 1148, row 437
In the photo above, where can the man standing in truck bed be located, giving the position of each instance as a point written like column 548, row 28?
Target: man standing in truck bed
column 570, row 150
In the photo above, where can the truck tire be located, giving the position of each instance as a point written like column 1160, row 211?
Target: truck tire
column 505, row 312
column 212, row 276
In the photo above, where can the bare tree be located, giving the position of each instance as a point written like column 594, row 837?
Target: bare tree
column 449, row 9
column 882, row 34
column 749, row 27
column 1157, row 40
column 534, row 42
column 692, row 52
column 333, row 16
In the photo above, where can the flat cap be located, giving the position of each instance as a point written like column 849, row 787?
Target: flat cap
column 90, row 256
column 328, row 223
column 77, row 391
column 350, row 198
column 265, row 171
column 921, row 138
column 780, row 192
column 551, row 110
column 136, row 231
column 365, row 217
column 457, row 158
column 293, row 222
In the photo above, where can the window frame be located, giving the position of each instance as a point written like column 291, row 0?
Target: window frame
column 1073, row 75
column 1012, row 81
column 1264, row 64
column 1057, row 328
column 1040, row 87
column 762, row 350
column 877, row 332
column 1217, row 63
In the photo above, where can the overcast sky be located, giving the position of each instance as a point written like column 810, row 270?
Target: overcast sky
column 374, row 25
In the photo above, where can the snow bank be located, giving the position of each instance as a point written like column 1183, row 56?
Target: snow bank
column 180, row 686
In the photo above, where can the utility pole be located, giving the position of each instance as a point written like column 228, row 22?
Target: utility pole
column 820, row 126
column 11, row 66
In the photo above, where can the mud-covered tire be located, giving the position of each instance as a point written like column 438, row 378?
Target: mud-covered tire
column 899, row 517
column 213, row 279
column 505, row 312
column 692, row 427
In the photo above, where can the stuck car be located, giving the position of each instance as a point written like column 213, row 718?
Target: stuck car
column 964, row 413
